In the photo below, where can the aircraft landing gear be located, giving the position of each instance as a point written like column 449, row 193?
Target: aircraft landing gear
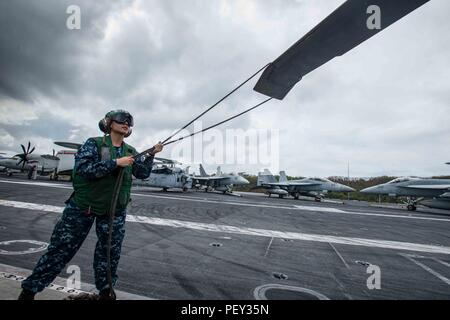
column 281, row 196
column 296, row 195
column 164, row 189
column 53, row 176
column 411, row 203
column 317, row 199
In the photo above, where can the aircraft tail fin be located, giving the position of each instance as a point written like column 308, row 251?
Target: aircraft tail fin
column 186, row 170
column 265, row 177
column 219, row 171
column 283, row 177
column 202, row 171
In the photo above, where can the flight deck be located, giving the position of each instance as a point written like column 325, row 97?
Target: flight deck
column 198, row 245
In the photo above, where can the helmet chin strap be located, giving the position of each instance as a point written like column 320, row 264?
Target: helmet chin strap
column 130, row 130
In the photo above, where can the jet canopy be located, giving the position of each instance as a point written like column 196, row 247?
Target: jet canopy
column 320, row 179
column 402, row 179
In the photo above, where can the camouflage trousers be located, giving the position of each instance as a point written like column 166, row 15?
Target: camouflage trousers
column 69, row 234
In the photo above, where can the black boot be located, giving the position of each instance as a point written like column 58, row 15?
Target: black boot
column 26, row 295
column 105, row 294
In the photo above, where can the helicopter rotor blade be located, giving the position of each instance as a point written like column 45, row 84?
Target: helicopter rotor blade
column 343, row 30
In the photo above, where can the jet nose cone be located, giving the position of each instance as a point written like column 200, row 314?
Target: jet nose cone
column 340, row 188
column 347, row 189
column 369, row 190
column 242, row 180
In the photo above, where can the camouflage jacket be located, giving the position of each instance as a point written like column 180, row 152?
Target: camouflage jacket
column 89, row 165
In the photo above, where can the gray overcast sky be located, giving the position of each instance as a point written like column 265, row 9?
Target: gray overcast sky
column 384, row 106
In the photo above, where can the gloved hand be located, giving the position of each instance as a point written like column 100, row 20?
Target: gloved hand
column 157, row 148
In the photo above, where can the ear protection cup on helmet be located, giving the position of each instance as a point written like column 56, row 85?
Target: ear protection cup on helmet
column 104, row 125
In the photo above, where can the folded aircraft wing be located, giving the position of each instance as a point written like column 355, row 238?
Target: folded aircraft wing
column 209, row 178
column 445, row 188
column 274, row 184
column 442, row 187
column 301, row 184
column 70, row 145
column 341, row 31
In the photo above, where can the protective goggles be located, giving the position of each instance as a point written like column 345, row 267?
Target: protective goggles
column 122, row 118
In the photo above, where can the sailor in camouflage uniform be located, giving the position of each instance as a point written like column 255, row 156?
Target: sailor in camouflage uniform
column 94, row 176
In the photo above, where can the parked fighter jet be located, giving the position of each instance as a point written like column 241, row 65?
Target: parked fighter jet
column 43, row 164
column 311, row 187
column 220, row 182
column 433, row 193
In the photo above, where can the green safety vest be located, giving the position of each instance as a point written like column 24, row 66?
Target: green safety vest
column 95, row 195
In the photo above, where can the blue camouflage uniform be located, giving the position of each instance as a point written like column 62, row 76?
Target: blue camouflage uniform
column 73, row 227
